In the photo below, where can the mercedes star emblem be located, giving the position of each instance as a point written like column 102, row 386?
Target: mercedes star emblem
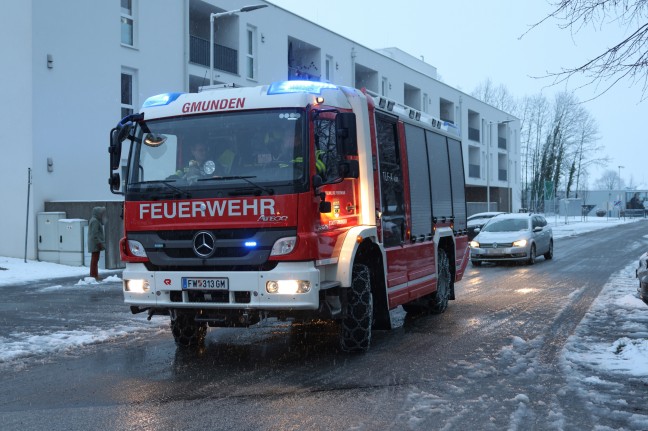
column 203, row 244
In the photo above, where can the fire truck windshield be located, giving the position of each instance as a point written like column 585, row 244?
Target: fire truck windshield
column 242, row 152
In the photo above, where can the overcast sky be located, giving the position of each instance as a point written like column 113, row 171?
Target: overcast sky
column 469, row 41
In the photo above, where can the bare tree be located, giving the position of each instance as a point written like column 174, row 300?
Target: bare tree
column 534, row 123
column 496, row 95
column 627, row 58
column 587, row 151
column 609, row 180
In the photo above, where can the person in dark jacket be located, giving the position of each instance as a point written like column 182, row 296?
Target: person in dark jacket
column 96, row 239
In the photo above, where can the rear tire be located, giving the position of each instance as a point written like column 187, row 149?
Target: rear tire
column 436, row 302
column 549, row 254
column 440, row 300
column 355, row 331
column 187, row 332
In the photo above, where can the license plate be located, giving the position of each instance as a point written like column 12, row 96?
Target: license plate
column 205, row 283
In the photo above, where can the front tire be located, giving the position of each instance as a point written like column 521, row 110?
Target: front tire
column 187, row 332
column 355, row 331
column 532, row 255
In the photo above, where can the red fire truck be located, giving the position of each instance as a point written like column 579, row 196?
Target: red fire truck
column 296, row 200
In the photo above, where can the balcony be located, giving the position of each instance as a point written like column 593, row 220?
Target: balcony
column 473, row 134
column 473, row 171
column 225, row 59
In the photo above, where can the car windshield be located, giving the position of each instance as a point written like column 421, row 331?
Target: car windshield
column 182, row 153
column 506, row 225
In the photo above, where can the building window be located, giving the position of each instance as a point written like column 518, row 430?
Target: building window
column 127, row 23
column 328, row 69
column 251, row 53
column 127, row 92
column 384, row 88
column 447, row 111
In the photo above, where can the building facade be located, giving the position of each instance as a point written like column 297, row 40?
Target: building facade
column 69, row 81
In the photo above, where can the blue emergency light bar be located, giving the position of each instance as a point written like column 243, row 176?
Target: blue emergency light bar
column 161, row 99
column 312, row 87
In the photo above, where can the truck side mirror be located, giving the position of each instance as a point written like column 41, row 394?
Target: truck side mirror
column 346, row 134
column 117, row 136
column 115, row 182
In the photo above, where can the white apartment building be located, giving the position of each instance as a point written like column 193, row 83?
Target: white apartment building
column 72, row 68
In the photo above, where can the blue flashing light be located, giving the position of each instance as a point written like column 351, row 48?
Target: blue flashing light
column 161, row 99
column 250, row 244
column 312, row 87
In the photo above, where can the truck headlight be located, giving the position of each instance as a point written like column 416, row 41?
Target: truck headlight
column 136, row 286
column 288, row 287
column 136, row 248
column 474, row 244
column 283, row 246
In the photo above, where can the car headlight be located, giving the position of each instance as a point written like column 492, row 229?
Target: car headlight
column 520, row 243
column 474, row 244
column 283, row 246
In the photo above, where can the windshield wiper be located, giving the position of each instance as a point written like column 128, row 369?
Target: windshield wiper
column 166, row 183
column 240, row 177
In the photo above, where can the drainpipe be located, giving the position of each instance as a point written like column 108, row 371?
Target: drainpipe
column 353, row 56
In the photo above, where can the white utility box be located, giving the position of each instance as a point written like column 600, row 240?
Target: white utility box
column 48, row 235
column 72, row 243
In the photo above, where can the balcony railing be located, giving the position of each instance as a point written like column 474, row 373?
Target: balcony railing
column 501, row 142
column 473, row 171
column 225, row 59
column 501, row 174
column 473, row 134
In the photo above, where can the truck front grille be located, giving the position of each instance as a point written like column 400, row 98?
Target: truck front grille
column 211, row 297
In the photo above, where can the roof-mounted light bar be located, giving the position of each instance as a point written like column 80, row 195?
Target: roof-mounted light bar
column 312, row 87
column 161, row 99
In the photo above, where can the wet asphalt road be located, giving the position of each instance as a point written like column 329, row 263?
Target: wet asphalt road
column 460, row 370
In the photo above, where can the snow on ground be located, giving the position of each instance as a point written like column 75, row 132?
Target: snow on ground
column 606, row 359
column 618, row 305
column 42, row 341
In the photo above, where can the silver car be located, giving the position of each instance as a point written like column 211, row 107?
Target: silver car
column 642, row 275
column 512, row 237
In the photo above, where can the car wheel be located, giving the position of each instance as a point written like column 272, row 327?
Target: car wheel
column 532, row 255
column 475, row 263
column 549, row 254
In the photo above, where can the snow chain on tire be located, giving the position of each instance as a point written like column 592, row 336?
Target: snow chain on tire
column 440, row 300
column 355, row 333
column 186, row 332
